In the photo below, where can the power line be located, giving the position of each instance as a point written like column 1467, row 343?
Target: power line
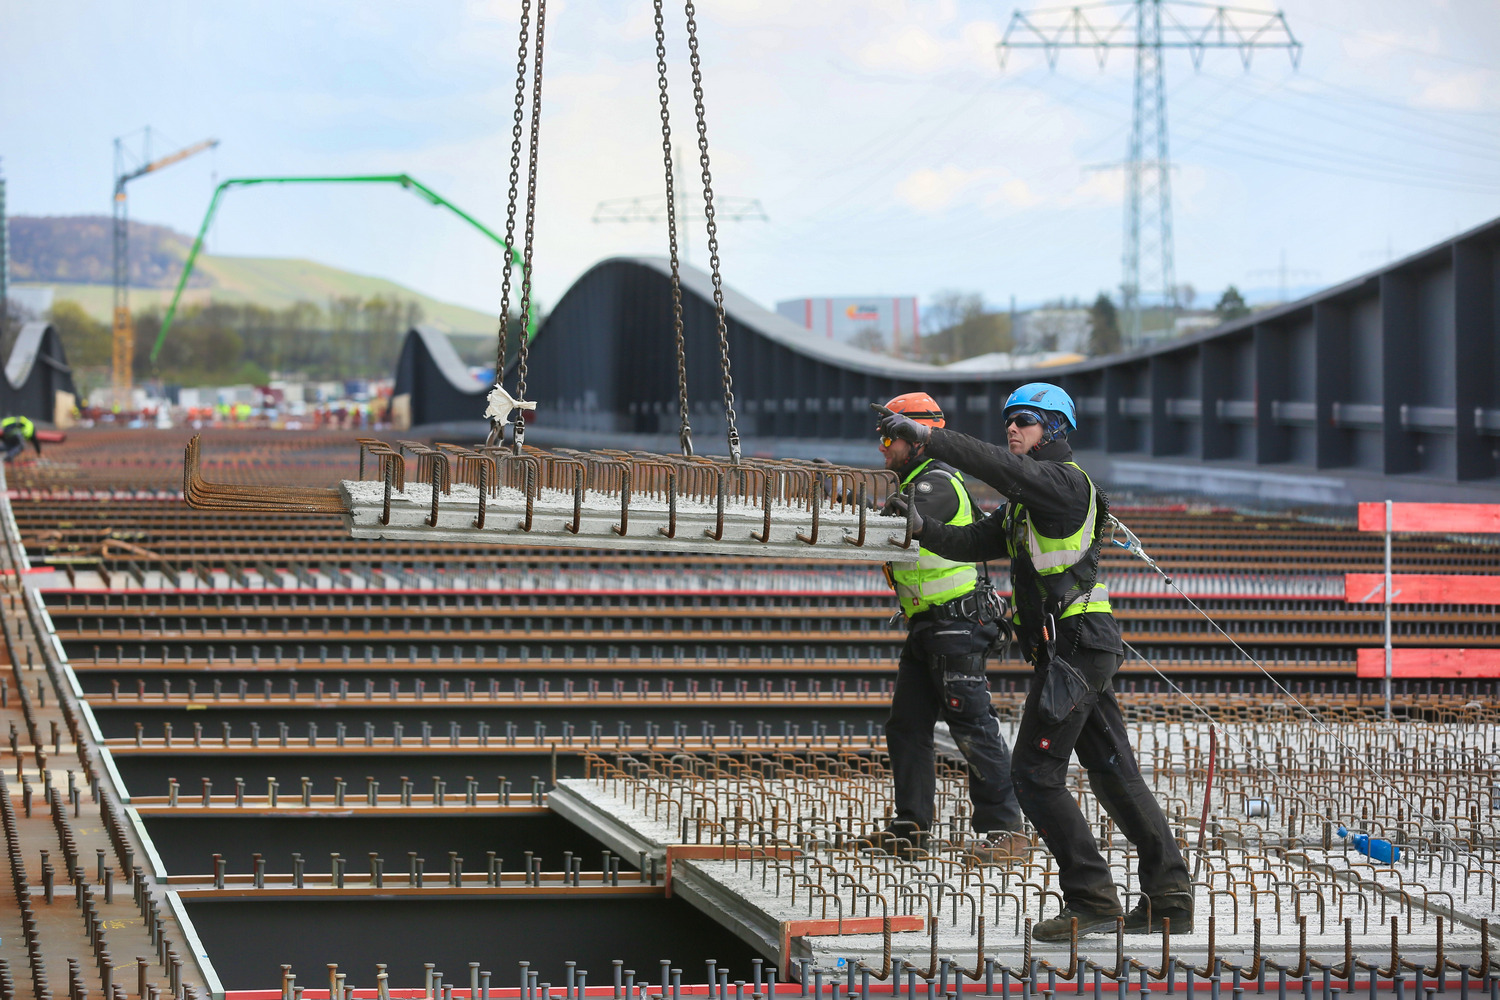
column 1147, row 28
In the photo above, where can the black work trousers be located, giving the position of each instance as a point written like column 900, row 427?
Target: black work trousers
column 942, row 676
column 1095, row 731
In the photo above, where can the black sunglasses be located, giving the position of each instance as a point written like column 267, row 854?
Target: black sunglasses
column 1023, row 419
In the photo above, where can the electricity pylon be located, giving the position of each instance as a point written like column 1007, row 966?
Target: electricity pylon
column 653, row 208
column 1148, row 28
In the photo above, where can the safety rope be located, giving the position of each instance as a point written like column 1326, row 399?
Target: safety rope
column 713, row 235
column 685, row 428
column 497, row 428
column 526, row 257
column 1133, row 545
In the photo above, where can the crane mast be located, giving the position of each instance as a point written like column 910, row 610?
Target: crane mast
column 123, row 327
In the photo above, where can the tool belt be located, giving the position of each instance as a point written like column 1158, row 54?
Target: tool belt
column 980, row 605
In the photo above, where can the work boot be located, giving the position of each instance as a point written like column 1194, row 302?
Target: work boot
column 1147, row 916
column 999, row 847
column 1060, row 927
column 902, row 840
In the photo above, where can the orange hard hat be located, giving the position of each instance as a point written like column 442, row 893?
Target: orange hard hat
column 918, row 406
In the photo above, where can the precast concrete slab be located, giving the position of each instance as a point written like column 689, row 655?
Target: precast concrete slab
column 846, row 533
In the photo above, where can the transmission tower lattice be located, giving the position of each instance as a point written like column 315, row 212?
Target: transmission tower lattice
column 1148, row 28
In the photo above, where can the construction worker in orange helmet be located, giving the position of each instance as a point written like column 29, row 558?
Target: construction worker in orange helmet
column 951, row 625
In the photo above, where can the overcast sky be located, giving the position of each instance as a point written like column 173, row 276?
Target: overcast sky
column 891, row 152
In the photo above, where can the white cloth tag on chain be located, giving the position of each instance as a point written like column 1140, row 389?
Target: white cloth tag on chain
column 502, row 402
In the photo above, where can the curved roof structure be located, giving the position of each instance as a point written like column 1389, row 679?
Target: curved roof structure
column 38, row 382
column 1384, row 386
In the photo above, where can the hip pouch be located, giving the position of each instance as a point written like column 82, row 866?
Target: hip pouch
column 1063, row 688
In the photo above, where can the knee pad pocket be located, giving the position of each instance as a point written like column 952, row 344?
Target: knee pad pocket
column 965, row 696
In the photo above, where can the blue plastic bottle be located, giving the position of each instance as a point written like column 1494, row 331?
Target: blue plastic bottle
column 1373, row 848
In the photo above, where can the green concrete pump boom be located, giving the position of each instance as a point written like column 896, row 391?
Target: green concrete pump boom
column 408, row 182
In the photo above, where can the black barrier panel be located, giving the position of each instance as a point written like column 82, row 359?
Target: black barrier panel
column 248, row 942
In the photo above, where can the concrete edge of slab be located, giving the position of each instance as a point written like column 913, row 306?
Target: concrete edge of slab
column 735, row 914
column 600, row 825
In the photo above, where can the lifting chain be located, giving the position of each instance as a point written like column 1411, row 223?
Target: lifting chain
column 685, row 428
column 526, row 305
column 497, row 430
column 713, row 231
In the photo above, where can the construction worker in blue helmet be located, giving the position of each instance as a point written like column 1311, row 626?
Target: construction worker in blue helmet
column 952, row 621
column 14, row 433
column 1051, row 528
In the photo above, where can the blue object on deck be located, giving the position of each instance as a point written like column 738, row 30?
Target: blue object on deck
column 1372, row 847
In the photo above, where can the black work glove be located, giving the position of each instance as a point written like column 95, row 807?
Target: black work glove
column 897, row 425
column 900, row 505
column 896, row 505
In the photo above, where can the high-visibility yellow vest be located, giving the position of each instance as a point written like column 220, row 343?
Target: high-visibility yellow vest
column 930, row 579
column 1053, row 557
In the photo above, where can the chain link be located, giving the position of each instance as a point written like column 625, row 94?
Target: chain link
column 713, row 233
column 526, row 305
column 497, row 431
column 685, row 428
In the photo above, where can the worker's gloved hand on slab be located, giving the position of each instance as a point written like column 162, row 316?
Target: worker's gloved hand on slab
column 899, row 505
column 897, row 425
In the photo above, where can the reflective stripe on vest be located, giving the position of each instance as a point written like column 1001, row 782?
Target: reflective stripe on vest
column 930, row 579
column 1051, row 556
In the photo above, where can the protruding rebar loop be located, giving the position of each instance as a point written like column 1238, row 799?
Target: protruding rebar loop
column 624, row 525
column 812, row 538
column 717, row 531
column 390, row 477
column 859, row 502
column 911, row 520
column 484, row 493
column 764, row 534
column 671, row 529
column 579, row 474
column 441, row 483
column 530, row 486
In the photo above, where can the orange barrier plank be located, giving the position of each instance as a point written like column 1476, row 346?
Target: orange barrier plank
column 1468, row 518
column 848, row 925
column 1448, row 664
column 1422, row 588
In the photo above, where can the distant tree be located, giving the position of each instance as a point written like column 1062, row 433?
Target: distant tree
column 1186, row 296
column 1231, row 304
column 1104, row 326
column 86, row 341
column 958, row 327
column 869, row 338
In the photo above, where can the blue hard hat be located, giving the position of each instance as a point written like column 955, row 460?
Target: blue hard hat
column 1044, row 396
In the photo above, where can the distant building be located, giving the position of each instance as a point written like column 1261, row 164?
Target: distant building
column 1049, row 330
column 875, row 322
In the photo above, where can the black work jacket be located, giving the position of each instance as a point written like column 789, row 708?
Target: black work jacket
column 1056, row 496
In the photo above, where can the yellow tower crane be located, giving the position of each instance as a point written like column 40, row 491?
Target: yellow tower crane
column 124, row 326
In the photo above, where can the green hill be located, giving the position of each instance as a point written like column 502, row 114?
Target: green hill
column 70, row 255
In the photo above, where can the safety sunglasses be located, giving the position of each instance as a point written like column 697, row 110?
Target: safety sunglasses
column 885, row 442
column 1023, row 418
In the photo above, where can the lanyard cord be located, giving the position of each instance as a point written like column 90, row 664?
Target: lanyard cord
column 1132, row 544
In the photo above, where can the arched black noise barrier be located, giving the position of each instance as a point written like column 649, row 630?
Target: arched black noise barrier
column 1385, row 386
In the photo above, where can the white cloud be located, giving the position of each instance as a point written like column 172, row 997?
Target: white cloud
column 932, row 190
column 1468, row 90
